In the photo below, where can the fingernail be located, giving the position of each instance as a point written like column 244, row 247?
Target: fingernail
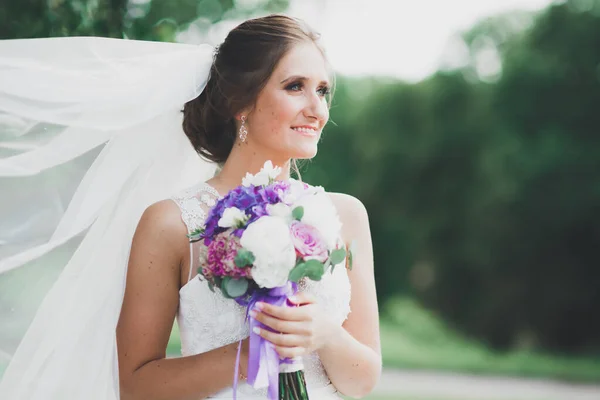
column 256, row 330
column 260, row 306
column 253, row 313
column 293, row 298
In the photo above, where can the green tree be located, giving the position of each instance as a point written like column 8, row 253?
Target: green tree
column 483, row 194
column 145, row 20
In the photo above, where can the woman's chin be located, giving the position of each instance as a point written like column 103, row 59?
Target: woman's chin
column 306, row 152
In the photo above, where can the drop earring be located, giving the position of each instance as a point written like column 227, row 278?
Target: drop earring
column 243, row 130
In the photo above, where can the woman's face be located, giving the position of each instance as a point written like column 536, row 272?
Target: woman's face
column 291, row 110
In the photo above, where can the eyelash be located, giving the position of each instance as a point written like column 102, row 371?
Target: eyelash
column 325, row 90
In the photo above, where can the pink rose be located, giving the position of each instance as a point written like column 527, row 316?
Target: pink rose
column 308, row 242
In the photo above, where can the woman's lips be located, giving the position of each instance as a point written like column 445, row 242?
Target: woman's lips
column 306, row 131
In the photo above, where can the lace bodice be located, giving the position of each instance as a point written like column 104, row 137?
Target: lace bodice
column 207, row 320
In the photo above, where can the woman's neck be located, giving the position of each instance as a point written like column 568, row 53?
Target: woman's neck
column 239, row 163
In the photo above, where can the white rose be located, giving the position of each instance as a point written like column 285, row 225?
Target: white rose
column 260, row 179
column 232, row 216
column 295, row 190
column 268, row 238
column 266, row 175
column 320, row 212
column 280, row 210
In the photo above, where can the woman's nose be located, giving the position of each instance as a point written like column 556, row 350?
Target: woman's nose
column 317, row 108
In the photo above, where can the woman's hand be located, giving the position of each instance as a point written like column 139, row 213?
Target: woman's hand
column 299, row 329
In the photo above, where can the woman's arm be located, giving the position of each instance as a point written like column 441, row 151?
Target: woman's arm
column 352, row 358
column 159, row 248
column 351, row 354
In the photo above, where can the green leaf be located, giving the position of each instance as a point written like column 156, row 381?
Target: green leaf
column 236, row 287
column 351, row 252
column 314, row 270
column 194, row 235
column 297, row 273
column 223, row 286
column 244, row 258
column 298, row 213
column 311, row 269
column 337, row 256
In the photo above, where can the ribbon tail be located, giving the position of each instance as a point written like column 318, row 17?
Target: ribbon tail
column 264, row 362
column 273, row 369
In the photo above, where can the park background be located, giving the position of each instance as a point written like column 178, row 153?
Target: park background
column 470, row 132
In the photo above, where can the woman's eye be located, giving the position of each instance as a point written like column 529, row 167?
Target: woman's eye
column 295, row 87
column 323, row 91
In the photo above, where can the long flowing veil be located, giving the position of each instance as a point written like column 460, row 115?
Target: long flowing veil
column 90, row 135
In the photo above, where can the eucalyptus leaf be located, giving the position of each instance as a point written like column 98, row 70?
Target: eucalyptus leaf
column 243, row 258
column 314, row 270
column 236, row 287
column 223, row 286
column 298, row 213
column 297, row 273
column 337, row 256
column 351, row 253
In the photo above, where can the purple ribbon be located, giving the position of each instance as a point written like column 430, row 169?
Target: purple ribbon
column 263, row 360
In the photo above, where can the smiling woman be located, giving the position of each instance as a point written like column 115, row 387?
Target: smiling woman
column 263, row 98
column 272, row 74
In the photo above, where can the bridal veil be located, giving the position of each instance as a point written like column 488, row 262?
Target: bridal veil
column 90, row 135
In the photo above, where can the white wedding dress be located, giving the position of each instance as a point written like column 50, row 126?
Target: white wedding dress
column 111, row 109
column 207, row 320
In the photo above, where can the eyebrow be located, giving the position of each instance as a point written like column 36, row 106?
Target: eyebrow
column 303, row 78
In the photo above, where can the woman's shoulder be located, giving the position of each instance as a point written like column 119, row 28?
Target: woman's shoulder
column 163, row 216
column 347, row 204
column 353, row 214
column 179, row 214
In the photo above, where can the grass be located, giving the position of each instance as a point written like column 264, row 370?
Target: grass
column 415, row 338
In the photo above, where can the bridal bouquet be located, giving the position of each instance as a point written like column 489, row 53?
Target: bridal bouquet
column 260, row 240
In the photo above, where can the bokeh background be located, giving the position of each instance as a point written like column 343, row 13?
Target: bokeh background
column 470, row 132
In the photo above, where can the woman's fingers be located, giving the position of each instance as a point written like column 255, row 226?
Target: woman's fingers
column 290, row 352
column 287, row 340
column 279, row 325
column 285, row 313
column 302, row 298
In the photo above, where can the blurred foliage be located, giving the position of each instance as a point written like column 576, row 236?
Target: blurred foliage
column 136, row 19
column 484, row 193
column 414, row 337
column 482, row 184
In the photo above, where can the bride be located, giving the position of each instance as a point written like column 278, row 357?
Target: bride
column 102, row 330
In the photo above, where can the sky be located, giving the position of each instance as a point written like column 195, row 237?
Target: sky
column 405, row 39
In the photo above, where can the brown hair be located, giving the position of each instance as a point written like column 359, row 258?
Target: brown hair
column 242, row 66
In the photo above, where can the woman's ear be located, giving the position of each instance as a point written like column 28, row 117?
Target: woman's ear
column 246, row 111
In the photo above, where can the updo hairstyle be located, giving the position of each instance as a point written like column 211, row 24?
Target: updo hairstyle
column 242, row 66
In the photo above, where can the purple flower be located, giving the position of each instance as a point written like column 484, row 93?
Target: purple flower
column 308, row 242
column 218, row 258
column 252, row 200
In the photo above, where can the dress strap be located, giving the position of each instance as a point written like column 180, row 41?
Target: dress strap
column 194, row 204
